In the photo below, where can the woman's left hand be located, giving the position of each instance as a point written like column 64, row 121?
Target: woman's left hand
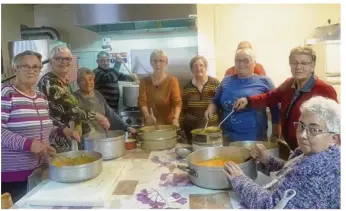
column 131, row 130
column 71, row 134
column 232, row 170
column 175, row 122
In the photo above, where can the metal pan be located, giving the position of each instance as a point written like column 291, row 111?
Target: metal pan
column 77, row 173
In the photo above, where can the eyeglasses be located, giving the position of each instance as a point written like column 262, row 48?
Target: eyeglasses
column 36, row 69
column 303, row 64
column 311, row 130
column 60, row 59
column 244, row 61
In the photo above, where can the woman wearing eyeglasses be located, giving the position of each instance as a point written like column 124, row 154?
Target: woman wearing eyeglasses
column 312, row 172
column 293, row 92
column 250, row 124
column 63, row 106
column 27, row 130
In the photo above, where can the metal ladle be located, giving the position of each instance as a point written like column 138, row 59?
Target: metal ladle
column 226, row 117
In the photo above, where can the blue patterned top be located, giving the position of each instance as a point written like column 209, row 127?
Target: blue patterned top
column 315, row 178
column 249, row 123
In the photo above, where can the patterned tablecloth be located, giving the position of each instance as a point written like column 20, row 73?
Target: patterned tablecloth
column 152, row 180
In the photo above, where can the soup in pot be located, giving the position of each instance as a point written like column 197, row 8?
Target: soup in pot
column 218, row 162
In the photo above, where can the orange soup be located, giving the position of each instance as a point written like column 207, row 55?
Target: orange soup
column 216, row 162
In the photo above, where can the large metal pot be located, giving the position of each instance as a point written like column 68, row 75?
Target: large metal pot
column 159, row 143
column 78, row 173
column 111, row 144
column 272, row 147
column 130, row 95
column 157, row 132
column 204, row 138
column 214, row 177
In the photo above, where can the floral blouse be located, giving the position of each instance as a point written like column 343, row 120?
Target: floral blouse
column 63, row 107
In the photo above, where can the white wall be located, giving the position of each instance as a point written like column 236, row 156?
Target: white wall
column 273, row 30
column 12, row 16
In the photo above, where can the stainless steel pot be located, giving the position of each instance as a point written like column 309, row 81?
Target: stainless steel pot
column 159, row 143
column 111, row 144
column 198, row 145
column 199, row 137
column 78, row 173
column 130, row 95
column 272, row 147
column 158, row 132
column 214, row 177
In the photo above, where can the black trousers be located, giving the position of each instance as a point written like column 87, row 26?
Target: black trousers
column 16, row 189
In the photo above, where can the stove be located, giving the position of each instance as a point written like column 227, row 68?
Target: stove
column 133, row 117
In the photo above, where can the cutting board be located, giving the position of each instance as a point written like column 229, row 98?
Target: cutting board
column 95, row 192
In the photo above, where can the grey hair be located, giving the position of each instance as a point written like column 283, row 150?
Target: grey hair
column 102, row 54
column 303, row 50
column 57, row 49
column 242, row 43
column 158, row 52
column 247, row 51
column 82, row 72
column 18, row 57
column 326, row 109
column 196, row 58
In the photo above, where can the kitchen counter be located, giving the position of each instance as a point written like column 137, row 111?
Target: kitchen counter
column 152, row 180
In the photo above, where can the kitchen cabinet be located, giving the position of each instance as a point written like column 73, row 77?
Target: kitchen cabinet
column 328, row 66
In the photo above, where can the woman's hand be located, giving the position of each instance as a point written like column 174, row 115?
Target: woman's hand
column 42, row 148
column 150, row 120
column 175, row 122
column 103, row 121
column 240, row 103
column 232, row 170
column 260, row 153
column 131, row 130
column 208, row 114
column 71, row 134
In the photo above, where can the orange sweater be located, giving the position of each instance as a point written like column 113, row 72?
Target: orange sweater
column 162, row 98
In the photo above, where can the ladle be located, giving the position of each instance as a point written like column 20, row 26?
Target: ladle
column 226, row 117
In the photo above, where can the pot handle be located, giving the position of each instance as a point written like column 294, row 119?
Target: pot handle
column 189, row 170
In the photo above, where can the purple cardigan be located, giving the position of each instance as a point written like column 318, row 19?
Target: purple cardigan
column 316, row 179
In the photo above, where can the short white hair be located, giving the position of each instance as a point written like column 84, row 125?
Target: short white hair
column 158, row 52
column 325, row 109
column 57, row 49
column 247, row 51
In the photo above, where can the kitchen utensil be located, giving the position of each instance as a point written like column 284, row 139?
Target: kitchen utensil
column 111, row 146
column 288, row 195
column 272, row 147
column 226, row 117
column 200, row 137
column 206, row 124
column 158, row 132
column 183, row 152
column 214, row 177
column 128, row 69
column 198, row 145
column 152, row 113
column 159, row 143
column 285, row 144
column 247, row 159
column 130, row 144
column 76, row 173
column 130, row 95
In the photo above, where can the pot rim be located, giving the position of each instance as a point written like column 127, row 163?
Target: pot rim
column 161, row 139
column 159, row 130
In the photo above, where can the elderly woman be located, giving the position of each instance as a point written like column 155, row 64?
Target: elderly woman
column 197, row 95
column 159, row 94
column 251, row 124
column 292, row 93
column 63, row 106
column 26, row 127
column 313, row 171
column 91, row 99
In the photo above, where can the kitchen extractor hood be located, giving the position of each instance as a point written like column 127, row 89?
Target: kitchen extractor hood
column 106, row 18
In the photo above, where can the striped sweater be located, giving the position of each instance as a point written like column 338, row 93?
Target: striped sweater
column 23, row 118
column 106, row 82
column 195, row 103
